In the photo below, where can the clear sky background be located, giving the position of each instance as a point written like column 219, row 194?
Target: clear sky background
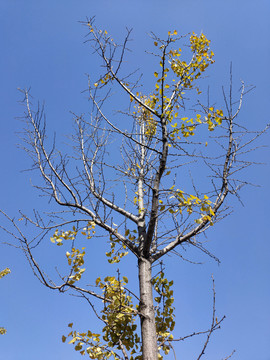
column 42, row 46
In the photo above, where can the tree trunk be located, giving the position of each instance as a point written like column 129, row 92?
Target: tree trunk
column 148, row 325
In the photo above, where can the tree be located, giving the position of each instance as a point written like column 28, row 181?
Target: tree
column 158, row 211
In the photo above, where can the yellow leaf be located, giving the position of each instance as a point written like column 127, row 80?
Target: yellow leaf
column 72, row 341
column 126, row 232
column 166, row 351
column 4, row 272
column 3, row 331
column 218, row 120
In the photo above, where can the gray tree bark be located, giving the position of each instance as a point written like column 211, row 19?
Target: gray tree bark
column 148, row 325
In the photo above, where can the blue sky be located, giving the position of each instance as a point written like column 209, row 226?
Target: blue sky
column 42, row 46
